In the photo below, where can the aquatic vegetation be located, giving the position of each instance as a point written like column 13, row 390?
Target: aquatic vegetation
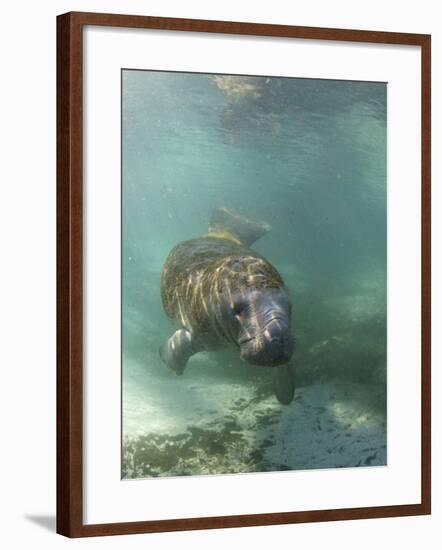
column 328, row 426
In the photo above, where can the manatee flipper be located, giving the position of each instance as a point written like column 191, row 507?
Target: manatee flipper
column 177, row 350
column 284, row 383
column 228, row 225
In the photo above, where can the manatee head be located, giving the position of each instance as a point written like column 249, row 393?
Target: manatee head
column 256, row 312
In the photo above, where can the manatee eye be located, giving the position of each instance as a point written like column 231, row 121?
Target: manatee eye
column 238, row 309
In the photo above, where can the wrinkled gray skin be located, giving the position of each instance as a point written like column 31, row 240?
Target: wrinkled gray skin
column 219, row 293
column 259, row 323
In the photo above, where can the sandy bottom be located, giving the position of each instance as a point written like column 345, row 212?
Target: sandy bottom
column 197, row 424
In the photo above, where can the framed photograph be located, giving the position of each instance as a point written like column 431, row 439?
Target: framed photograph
column 243, row 274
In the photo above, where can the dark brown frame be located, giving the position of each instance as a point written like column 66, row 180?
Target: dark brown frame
column 70, row 277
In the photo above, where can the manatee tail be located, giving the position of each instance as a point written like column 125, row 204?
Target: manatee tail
column 228, row 225
column 284, row 383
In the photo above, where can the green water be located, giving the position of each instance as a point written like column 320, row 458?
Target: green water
column 308, row 157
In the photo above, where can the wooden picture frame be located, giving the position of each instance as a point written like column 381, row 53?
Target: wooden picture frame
column 70, row 268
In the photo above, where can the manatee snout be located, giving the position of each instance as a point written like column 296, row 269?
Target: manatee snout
column 270, row 347
column 267, row 339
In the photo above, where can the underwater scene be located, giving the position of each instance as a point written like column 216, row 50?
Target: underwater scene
column 254, row 269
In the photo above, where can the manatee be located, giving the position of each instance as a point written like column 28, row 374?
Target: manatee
column 221, row 293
